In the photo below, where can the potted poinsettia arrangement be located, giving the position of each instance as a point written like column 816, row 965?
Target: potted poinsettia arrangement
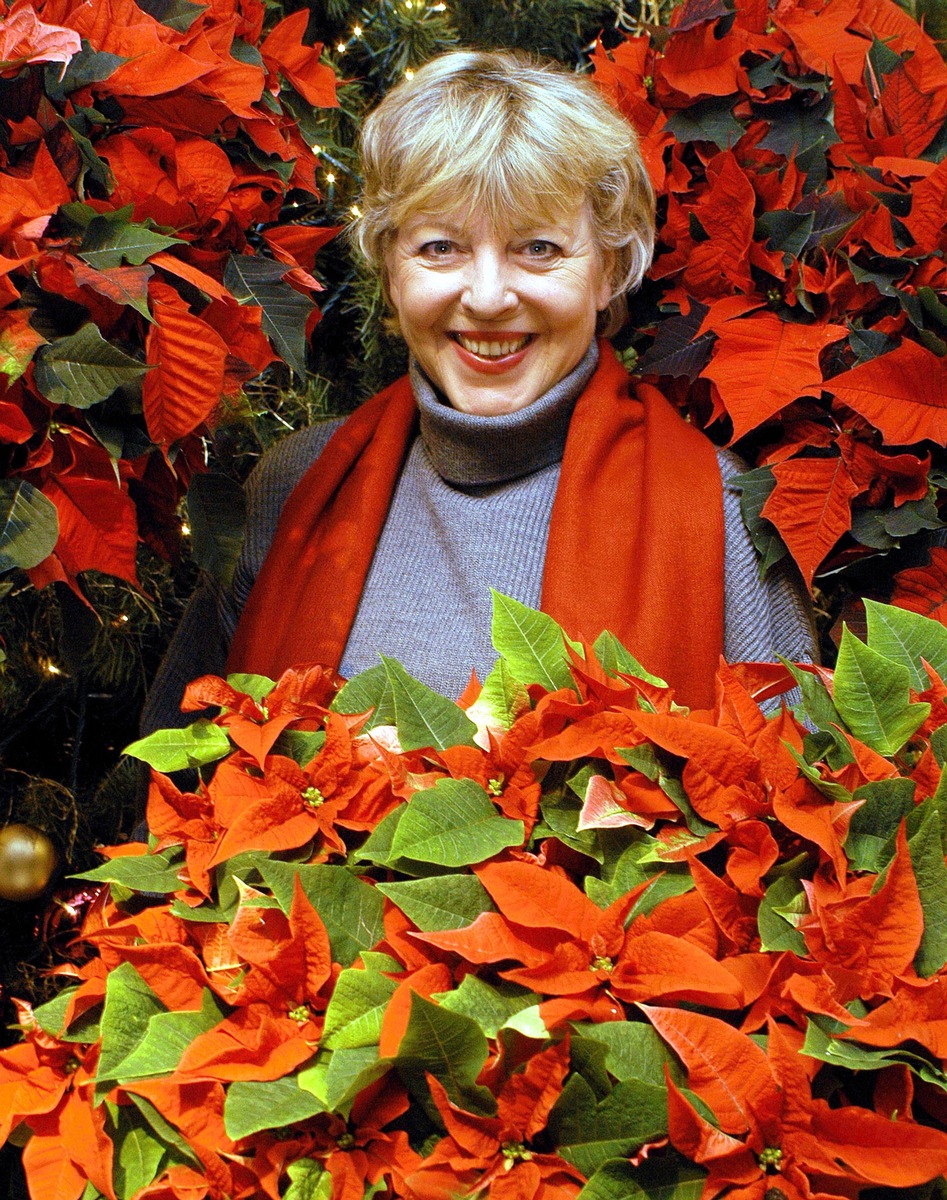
column 561, row 938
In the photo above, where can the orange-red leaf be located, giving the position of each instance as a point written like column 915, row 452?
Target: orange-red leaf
column 811, row 507
column 761, row 363
column 187, row 377
column 724, row 1067
column 300, row 64
column 903, row 393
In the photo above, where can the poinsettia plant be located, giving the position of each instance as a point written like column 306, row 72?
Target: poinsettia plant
column 561, row 938
column 797, row 298
column 145, row 152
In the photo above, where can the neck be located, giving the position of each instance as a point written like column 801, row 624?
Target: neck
column 474, row 451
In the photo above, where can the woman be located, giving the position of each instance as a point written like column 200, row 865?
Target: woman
column 508, row 212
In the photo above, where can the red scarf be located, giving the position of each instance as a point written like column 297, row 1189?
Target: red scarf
column 635, row 538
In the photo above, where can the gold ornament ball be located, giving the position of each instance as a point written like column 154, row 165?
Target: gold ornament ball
column 27, row 861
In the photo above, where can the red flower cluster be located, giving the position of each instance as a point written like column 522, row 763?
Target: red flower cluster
column 797, row 150
column 588, row 940
column 137, row 154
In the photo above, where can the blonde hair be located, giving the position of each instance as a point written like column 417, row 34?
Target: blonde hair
column 502, row 134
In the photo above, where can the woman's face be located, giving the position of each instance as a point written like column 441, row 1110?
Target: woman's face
column 496, row 316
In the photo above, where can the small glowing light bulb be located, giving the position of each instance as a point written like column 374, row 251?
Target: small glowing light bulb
column 356, row 31
column 355, row 210
column 330, row 177
column 185, row 528
column 409, row 74
column 50, row 668
column 316, row 148
column 341, row 47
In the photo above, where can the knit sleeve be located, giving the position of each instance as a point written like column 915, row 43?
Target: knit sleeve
column 200, row 644
column 762, row 618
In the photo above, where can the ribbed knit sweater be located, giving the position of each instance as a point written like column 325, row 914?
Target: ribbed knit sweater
column 470, row 511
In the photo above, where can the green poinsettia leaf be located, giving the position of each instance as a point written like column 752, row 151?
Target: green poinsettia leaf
column 88, row 66
column 111, row 239
column 369, row 691
column 355, row 1012
column 755, row 488
column 257, row 687
column 164, row 1131
column 351, row 910
column 141, row 872
column 309, row 1180
column 707, row 121
column 785, row 230
column 502, row 699
column 449, row 1045
column 617, row 660
column 129, row 1006
column 444, row 902
column 454, row 824
column 588, row 1132
column 424, row 719
column 872, row 695
column 139, row 1153
column 253, row 1105
column 167, row 1037
column 633, row 1050
column 927, row 858
column 350, row 1072
column 258, row 281
column 82, row 369
column 906, row 637
column 532, row 643
column 783, row 899
column 884, row 805
column 177, row 749
column 667, row 1178
column 178, row 15
column 29, row 525
column 492, row 1005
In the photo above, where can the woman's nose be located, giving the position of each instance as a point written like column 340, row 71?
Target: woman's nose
column 488, row 290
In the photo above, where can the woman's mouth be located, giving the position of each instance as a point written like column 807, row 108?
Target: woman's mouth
column 492, row 347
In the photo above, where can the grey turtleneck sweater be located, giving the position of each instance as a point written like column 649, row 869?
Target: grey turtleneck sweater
column 470, row 511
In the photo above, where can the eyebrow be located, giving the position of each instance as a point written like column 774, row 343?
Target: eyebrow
column 454, row 230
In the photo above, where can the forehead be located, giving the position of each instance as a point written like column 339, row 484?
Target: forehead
column 467, row 221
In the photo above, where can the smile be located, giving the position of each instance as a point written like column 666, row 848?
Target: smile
column 494, row 347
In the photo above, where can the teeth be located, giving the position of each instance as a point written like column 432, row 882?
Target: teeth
column 491, row 349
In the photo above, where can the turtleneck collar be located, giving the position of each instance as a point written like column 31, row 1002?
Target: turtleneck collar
column 473, row 451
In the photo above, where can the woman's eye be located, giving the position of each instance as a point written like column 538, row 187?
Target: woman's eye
column 441, row 248
column 540, row 248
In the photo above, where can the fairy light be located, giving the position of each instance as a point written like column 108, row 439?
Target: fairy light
column 356, row 31
column 409, row 74
column 355, row 210
column 50, row 667
column 316, row 148
column 438, row 8
column 330, row 177
column 341, row 47
column 185, row 528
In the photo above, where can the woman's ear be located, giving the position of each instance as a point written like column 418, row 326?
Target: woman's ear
column 604, row 293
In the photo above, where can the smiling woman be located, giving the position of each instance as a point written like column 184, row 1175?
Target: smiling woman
column 508, row 213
